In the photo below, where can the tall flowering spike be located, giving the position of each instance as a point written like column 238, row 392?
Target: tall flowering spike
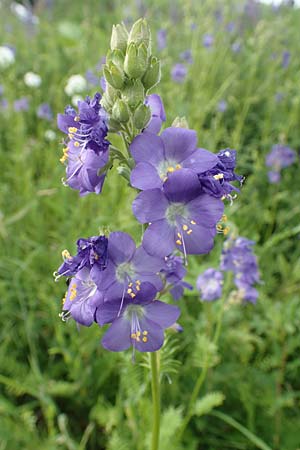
column 86, row 149
column 209, row 284
column 138, row 322
column 238, row 257
column 180, row 216
column 127, row 268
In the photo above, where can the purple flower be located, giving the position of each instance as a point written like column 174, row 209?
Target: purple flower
column 230, row 27
column 21, row 104
column 91, row 251
column 280, row 156
column 186, row 56
column 157, row 157
column 238, row 257
column 82, row 298
column 236, row 47
column 91, row 78
column 127, row 268
column 161, row 37
column 208, row 40
column 210, row 283
column 174, row 273
column 216, row 181
column 86, row 152
column 179, row 72
column 158, row 115
column 274, row 176
column 44, row 111
column 139, row 322
column 286, row 57
column 3, row 104
column 179, row 217
column 222, row 106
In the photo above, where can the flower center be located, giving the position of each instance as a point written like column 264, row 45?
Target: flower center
column 134, row 313
column 175, row 210
column 125, row 272
column 166, row 167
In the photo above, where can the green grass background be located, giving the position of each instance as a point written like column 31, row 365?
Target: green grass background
column 58, row 388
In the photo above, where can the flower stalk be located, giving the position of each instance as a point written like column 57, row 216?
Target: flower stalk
column 155, row 384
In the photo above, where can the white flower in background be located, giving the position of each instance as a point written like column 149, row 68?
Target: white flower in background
column 24, row 14
column 76, row 84
column 50, row 135
column 7, row 57
column 32, row 79
column 76, row 99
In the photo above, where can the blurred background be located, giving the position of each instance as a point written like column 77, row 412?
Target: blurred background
column 232, row 69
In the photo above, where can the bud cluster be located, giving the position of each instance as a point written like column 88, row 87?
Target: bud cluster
column 130, row 72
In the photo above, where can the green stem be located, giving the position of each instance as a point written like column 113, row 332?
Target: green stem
column 155, row 399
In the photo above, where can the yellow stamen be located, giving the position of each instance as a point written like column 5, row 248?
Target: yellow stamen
column 133, row 335
column 178, row 166
column 130, row 284
column 189, row 232
column 65, row 254
column 129, row 291
column 145, row 333
column 219, row 176
column 138, row 288
column 132, row 295
column 76, row 144
column 138, row 282
column 185, row 227
column 193, row 222
column 72, row 129
column 178, row 242
column 145, row 339
column 224, row 218
column 76, row 118
column 170, row 169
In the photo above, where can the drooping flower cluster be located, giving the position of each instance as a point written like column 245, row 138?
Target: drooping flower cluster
column 209, row 284
column 86, row 151
column 280, row 156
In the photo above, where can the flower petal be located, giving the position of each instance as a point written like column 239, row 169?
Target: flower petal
column 108, row 311
column 121, row 247
column 158, row 239
column 153, row 340
column 145, row 263
column 199, row 241
column 205, row 210
column 182, row 186
column 200, row 160
column 147, row 147
column 145, row 176
column 179, row 143
column 150, row 205
column 117, row 337
column 162, row 313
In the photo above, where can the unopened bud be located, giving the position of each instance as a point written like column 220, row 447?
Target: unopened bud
column 113, row 125
column 119, row 37
column 113, row 75
column 116, row 57
column 152, row 75
column 141, row 117
column 133, row 93
column 120, row 111
column 136, row 60
column 140, row 33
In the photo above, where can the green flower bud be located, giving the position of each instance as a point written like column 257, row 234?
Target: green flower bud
column 133, row 93
column 140, row 33
column 119, row 36
column 113, row 75
column 141, row 117
column 113, row 125
column 116, row 57
column 136, row 60
column 106, row 103
column 152, row 75
column 180, row 122
column 120, row 111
